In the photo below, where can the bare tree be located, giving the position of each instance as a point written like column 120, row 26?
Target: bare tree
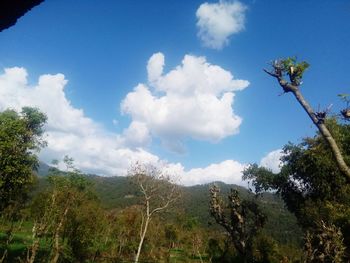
column 158, row 191
column 289, row 67
column 325, row 244
column 241, row 219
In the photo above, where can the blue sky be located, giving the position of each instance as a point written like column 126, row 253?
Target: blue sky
column 103, row 49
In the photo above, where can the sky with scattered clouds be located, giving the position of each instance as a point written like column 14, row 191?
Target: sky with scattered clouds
column 174, row 83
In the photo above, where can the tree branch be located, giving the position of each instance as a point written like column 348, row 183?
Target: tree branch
column 295, row 77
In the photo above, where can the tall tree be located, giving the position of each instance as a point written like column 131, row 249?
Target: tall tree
column 158, row 194
column 290, row 68
column 21, row 138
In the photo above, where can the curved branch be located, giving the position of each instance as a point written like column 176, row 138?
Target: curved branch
column 288, row 87
column 343, row 167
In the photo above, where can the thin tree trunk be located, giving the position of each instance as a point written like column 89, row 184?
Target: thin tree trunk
column 33, row 250
column 144, row 230
column 57, row 237
column 9, row 237
column 3, row 256
column 31, row 253
column 290, row 87
column 325, row 133
column 200, row 256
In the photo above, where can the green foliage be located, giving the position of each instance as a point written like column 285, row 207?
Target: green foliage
column 105, row 231
column 214, row 249
column 265, row 250
column 21, row 137
column 171, row 235
column 310, row 182
column 68, row 216
column 117, row 193
column 291, row 68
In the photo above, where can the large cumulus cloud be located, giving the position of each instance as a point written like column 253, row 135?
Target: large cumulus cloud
column 194, row 100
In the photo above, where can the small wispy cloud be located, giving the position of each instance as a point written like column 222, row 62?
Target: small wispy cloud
column 217, row 22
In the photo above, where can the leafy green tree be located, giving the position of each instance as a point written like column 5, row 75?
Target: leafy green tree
column 68, row 216
column 310, row 182
column 171, row 235
column 265, row 250
column 21, row 137
column 86, row 229
column 123, row 237
column 214, row 250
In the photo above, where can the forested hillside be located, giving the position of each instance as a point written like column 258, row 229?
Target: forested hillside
column 118, row 193
column 68, row 216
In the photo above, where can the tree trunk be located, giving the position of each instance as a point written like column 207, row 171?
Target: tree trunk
column 4, row 256
column 56, row 248
column 33, row 250
column 325, row 133
column 143, row 234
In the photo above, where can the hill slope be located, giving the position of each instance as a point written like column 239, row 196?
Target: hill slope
column 118, row 193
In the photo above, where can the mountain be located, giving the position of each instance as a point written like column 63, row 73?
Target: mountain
column 43, row 169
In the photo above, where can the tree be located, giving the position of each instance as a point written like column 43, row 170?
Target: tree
column 243, row 222
column 158, row 194
column 289, row 67
column 124, row 232
column 21, row 136
column 310, row 182
column 68, row 216
column 171, row 235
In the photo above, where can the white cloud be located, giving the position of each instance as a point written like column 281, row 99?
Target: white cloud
column 228, row 171
column 193, row 100
column 218, row 21
column 155, row 66
column 272, row 161
column 136, row 134
column 69, row 131
column 94, row 149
